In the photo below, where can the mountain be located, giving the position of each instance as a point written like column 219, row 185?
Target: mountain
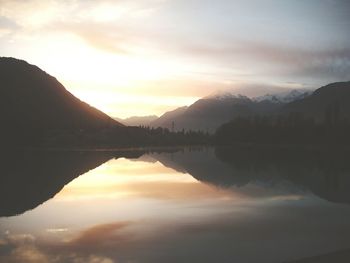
column 340, row 256
column 322, row 118
column 167, row 118
column 208, row 113
column 328, row 102
column 32, row 102
column 285, row 97
column 137, row 120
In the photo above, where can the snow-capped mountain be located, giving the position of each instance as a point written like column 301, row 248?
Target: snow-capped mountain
column 208, row 113
column 224, row 95
column 285, row 97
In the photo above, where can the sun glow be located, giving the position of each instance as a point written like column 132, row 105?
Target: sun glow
column 120, row 178
column 119, row 84
column 86, row 64
column 162, row 48
column 122, row 104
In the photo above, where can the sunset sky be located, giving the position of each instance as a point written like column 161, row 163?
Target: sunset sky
column 143, row 57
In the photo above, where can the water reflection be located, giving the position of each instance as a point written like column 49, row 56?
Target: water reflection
column 192, row 205
column 141, row 179
column 325, row 172
column 29, row 178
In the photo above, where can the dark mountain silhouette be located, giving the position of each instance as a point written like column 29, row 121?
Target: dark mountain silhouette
column 166, row 120
column 321, row 118
column 330, row 101
column 37, row 111
column 137, row 120
column 29, row 178
column 209, row 113
column 33, row 103
column 340, row 256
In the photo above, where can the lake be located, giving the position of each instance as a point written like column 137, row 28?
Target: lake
column 173, row 205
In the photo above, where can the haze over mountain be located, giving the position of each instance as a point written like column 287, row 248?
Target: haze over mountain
column 137, row 120
column 33, row 102
column 167, row 118
column 285, row 97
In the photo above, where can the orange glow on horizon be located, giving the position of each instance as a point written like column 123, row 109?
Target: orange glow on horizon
column 122, row 178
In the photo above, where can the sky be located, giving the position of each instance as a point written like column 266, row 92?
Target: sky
column 145, row 57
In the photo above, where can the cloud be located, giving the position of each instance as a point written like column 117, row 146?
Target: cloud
column 100, row 235
column 271, row 58
column 238, row 232
column 20, row 239
column 7, row 26
column 6, row 23
column 332, row 68
column 91, row 259
column 24, row 248
column 20, row 248
column 108, row 38
column 28, row 254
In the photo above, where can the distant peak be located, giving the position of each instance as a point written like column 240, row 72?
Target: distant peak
column 285, row 97
column 221, row 95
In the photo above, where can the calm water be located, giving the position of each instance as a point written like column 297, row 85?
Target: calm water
column 198, row 205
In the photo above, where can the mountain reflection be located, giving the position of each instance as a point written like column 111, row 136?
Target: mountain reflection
column 324, row 172
column 29, row 178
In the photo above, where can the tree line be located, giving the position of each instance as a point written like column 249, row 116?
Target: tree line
column 293, row 128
